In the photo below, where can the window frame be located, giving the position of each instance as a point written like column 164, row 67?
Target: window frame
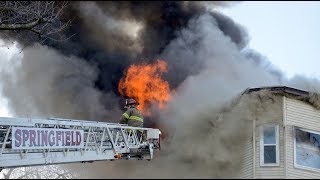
column 295, row 150
column 276, row 126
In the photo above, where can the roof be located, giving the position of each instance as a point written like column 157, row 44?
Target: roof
column 309, row 97
column 280, row 90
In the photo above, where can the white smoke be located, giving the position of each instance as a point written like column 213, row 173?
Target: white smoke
column 205, row 142
column 40, row 82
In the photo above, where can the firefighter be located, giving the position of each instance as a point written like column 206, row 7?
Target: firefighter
column 132, row 116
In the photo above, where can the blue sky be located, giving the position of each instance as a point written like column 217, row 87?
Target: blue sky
column 287, row 33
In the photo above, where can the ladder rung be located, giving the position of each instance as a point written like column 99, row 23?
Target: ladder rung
column 5, row 143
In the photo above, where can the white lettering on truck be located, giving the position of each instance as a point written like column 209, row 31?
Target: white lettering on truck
column 44, row 138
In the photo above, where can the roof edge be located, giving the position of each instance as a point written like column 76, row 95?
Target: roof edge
column 279, row 89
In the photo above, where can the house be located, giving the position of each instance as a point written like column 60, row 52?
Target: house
column 285, row 137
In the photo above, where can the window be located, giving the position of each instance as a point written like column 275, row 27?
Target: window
column 269, row 145
column 307, row 149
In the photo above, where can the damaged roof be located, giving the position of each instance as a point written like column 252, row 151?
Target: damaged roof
column 312, row 98
column 280, row 90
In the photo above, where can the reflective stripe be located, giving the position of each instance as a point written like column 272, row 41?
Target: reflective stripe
column 136, row 118
column 125, row 115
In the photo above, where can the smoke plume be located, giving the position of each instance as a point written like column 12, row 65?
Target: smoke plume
column 209, row 64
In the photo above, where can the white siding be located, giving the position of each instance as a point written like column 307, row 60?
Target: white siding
column 272, row 114
column 303, row 115
column 247, row 163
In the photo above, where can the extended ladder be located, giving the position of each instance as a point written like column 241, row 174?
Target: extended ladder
column 29, row 142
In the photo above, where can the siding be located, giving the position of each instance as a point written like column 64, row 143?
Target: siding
column 246, row 171
column 272, row 172
column 303, row 115
column 272, row 114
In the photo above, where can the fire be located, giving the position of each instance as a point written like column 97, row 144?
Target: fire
column 143, row 82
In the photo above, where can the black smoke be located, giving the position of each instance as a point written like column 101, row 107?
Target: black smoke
column 108, row 50
column 207, row 65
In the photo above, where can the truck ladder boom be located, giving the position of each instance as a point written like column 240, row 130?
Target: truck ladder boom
column 30, row 142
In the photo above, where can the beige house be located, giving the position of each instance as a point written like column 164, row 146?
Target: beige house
column 285, row 140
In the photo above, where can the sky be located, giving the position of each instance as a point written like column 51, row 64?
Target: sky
column 287, row 33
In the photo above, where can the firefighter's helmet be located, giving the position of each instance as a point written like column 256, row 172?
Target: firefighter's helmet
column 131, row 102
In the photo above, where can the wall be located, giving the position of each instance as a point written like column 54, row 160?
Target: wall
column 265, row 108
column 269, row 111
column 300, row 114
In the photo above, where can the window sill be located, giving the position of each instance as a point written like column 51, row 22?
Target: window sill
column 269, row 165
column 315, row 170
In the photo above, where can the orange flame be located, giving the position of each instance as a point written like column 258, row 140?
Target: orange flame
column 143, row 83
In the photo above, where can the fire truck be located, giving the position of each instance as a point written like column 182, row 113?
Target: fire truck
column 32, row 141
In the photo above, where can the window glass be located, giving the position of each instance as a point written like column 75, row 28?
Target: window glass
column 269, row 135
column 270, row 154
column 307, row 149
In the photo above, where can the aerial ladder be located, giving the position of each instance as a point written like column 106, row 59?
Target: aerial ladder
column 32, row 141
